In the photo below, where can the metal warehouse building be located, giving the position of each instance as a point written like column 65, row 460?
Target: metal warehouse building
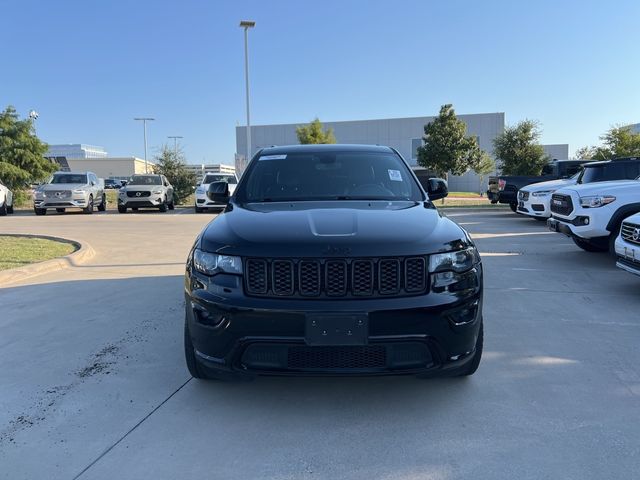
column 403, row 134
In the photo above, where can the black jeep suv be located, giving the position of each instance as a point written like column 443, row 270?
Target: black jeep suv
column 332, row 260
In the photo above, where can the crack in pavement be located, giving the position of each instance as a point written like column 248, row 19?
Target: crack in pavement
column 131, row 430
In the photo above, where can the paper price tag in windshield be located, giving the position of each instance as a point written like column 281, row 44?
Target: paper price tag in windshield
column 395, row 175
column 273, row 157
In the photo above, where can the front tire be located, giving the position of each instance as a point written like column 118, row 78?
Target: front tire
column 172, row 204
column 198, row 209
column 3, row 209
column 40, row 211
column 103, row 206
column 588, row 246
column 163, row 206
column 122, row 209
column 513, row 207
column 10, row 209
column 89, row 208
column 190, row 355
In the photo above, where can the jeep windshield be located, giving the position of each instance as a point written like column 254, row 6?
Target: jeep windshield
column 209, row 178
column 311, row 176
column 69, row 178
column 145, row 180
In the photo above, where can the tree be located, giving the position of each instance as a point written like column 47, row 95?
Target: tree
column 171, row 164
column 313, row 133
column 519, row 150
column 585, row 153
column 21, row 151
column 484, row 168
column 618, row 142
column 447, row 148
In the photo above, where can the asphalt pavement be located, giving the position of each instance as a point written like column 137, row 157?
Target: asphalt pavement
column 93, row 383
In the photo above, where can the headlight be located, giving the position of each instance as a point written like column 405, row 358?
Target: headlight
column 212, row 263
column 200, row 189
column 156, row 192
column 458, row 262
column 79, row 191
column 596, row 201
column 542, row 193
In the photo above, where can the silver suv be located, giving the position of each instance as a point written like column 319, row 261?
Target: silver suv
column 64, row 190
column 146, row 191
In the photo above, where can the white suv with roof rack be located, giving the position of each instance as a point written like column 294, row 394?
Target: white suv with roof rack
column 203, row 202
column 628, row 245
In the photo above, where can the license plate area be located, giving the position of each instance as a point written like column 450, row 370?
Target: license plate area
column 552, row 224
column 337, row 329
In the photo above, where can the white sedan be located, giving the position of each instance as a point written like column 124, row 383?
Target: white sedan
column 202, row 201
column 6, row 200
column 628, row 245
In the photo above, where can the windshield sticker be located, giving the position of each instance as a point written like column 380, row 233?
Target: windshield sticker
column 395, row 175
column 273, row 157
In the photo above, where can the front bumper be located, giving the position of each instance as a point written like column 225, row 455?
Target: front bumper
column 535, row 206
column 234, row 333
column 154, row 200
column 628, row 256
column 50, row 203
column 585, row 223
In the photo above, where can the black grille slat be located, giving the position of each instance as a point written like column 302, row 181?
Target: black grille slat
column 362, row 277
column 282, row 277
column 337, row 357
column 309, row 278
column 138, row 194
column 415, row 274
column 256, row 276
column 334, row 278
column 389, row 277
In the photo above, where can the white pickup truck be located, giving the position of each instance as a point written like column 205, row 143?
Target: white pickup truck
column 592, row 214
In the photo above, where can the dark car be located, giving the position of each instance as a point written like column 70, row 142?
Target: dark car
column 111, row 184
column 332, row 259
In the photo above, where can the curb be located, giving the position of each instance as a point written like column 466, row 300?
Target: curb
column 83, row 254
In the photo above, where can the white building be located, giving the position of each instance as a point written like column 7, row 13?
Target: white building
column 76, row 151
column 403, row 134
column 201, row 169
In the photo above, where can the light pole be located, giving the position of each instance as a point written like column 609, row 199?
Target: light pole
column 247, row 24
column 144, row 121
column 175, row 144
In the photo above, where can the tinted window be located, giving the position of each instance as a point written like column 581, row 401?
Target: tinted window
column 69, row 178
column 328, row 176
column 145, row 180
column 548, row 169
column 210, row 178
column 610, row 171
column 572, row 170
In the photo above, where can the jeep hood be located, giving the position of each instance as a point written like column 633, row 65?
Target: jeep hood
column 330, row 229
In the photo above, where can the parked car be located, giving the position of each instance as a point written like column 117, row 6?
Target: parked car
column 534, row 200
column 6, row 200
column 509, row 185
column 202, row 202
column 628, row 245
column 332, row 259
column 112, row 184
column 146, row 191
column 591, row 214
column 64, row 190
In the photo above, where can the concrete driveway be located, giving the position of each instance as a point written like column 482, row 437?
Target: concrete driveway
column 93, row 383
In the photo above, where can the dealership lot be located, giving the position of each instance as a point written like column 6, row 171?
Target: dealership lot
column 94, row 383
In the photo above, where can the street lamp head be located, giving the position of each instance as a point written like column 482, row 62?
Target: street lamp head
column 144, row 118
column 247, row 24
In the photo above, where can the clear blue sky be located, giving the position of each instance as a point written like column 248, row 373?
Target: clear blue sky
column 89, row 67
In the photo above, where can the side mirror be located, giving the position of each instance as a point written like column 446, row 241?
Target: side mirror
column 437, row 188
column 218, row 192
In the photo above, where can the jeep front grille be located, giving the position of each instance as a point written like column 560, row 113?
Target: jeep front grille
column 331, row 278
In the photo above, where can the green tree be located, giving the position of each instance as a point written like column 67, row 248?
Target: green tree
column 585, row 153
column 519, row 150
column 172, row 165
column 484, row 168
column 313, row 133
column 618, row 142
column 447, row 148
column 21, row 151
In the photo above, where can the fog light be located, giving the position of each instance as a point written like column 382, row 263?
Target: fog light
column 204, row 317
column 464, row 315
